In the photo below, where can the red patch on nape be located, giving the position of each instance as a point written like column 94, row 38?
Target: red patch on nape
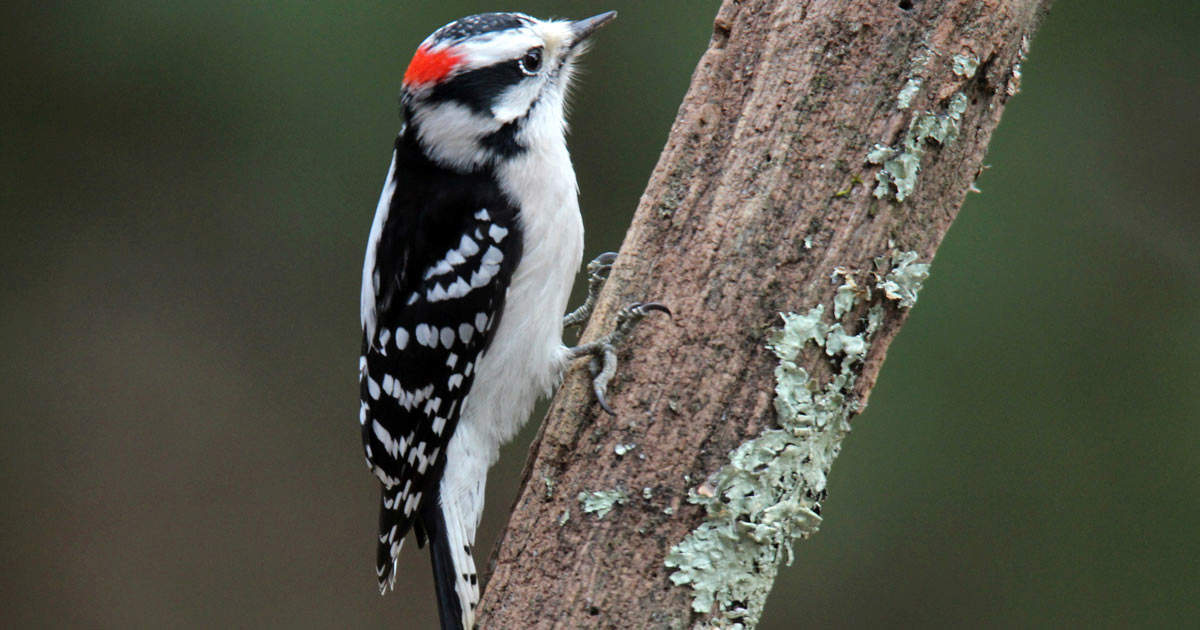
column 430, row 66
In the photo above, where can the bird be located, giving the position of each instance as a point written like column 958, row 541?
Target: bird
column 470, row 260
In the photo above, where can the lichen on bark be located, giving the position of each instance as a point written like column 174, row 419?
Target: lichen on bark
column 902, row 163
column 770, row 492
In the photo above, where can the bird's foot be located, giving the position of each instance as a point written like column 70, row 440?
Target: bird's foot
column 603, row 351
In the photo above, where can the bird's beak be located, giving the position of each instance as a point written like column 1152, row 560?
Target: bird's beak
column 582, row 29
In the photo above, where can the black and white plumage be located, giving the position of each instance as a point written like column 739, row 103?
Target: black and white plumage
column 470, row 260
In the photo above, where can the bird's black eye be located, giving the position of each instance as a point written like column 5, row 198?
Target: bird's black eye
column 531, row 62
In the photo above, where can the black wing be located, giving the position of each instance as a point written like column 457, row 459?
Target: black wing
column 443, row 264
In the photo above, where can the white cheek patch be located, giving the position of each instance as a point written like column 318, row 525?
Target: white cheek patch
column 515, row 101
column 451, row 133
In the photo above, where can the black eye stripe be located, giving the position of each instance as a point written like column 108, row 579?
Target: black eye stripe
column 478, row 88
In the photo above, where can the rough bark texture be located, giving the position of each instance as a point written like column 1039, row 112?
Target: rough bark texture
column 768, row 153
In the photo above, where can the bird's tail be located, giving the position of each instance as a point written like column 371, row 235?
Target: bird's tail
column 454, row 575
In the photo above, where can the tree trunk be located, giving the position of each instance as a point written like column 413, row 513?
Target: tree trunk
column 821, row 147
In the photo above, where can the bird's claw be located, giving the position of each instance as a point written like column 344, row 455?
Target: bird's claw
column 603, row 261
column 600, row 378
column 640, row 310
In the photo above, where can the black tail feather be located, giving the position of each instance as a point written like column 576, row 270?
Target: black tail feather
column 444, row 574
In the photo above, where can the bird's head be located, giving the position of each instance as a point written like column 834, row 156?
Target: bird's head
column 492, row 85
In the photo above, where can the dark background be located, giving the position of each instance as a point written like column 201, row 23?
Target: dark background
column 186, row 192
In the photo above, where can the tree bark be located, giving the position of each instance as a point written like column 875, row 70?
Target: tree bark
column 770, row 181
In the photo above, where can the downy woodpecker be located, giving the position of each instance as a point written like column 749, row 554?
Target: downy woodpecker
column 469, row 263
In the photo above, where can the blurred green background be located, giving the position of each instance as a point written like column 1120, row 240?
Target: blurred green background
column 187, row 189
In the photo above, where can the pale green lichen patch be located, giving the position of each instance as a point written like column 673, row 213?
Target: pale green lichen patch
column 769, row 493
column 602, row 502
column 902, row 163
column 847, row 292
column 910, row 89
column 621, row 449
column 965, row 65
column 900, row 169
column 902, row 277
column 874, row 319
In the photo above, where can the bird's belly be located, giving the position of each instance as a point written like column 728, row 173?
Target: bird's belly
column 526, row 356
